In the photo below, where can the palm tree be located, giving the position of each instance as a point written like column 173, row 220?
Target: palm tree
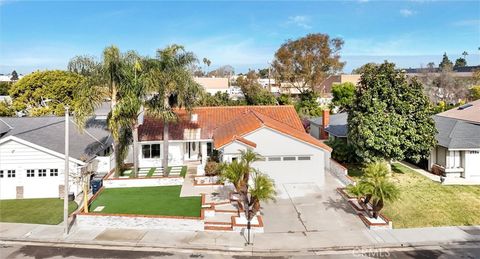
column 381, row 192
column 372, row 173
column 117, row 77
column 262, row 189
column 173, row 86
column 358, row 190
column 234, row 173
column 377, row 187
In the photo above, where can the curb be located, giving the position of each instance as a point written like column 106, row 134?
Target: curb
column 245, row 250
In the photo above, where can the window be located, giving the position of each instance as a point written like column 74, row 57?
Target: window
column 30, row 173
column 53, row 172
column 209, row 149
column 303, row 158
column 1, row 173
column 274, row 158
column 289, row 158
column 151, row 151
column 42, row 172
column 262, row 158
column 11, row 173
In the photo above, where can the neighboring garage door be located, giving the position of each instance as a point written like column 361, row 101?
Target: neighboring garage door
column 293, row 169
column 472, row 164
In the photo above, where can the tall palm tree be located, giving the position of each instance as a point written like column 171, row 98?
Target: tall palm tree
column 117, row 77
column 174, row 88
column 262, row 189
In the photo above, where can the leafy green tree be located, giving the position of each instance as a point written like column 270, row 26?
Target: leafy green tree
column 390, row 118
column 4, row 88
column 475, row 92
column 361, row 69
column 14, row 76
column 173, row 87
column 445, row 62
column 460, row 62
column 343, row 95
column 264, row 72
column 254, row 93
column 6, row 110
column 342, row 151
column 39, row 93
column 285, row 99
column 218, row 99
column 307, row 105
column 307, row 61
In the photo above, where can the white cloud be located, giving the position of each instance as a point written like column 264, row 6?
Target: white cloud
column 407, row 12
column 300, row 21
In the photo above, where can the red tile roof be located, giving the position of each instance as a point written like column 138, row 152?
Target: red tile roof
column 226, row 124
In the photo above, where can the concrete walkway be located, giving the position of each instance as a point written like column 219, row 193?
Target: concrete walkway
column 283, row 242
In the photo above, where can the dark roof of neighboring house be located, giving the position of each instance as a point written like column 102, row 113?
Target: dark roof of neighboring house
column 337, row 126
column 455, row 133
column 49, row 132
column 227, row 124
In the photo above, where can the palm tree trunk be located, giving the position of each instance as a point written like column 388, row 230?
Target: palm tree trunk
column 135, row 151
column 165, row 148
column 377, row 208
column 114, row 95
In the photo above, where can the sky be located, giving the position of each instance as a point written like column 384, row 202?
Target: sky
column 39, row 35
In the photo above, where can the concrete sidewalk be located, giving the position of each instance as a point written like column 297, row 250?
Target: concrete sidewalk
column 294, row 242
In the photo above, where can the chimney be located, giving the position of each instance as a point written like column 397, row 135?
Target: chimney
column 325, row 123
column 194, row 118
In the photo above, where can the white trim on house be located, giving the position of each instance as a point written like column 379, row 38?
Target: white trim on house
column 35, row 146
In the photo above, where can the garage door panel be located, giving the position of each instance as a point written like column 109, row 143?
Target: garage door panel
column 293, row 171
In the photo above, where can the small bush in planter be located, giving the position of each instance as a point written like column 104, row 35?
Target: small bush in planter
column 212, row 168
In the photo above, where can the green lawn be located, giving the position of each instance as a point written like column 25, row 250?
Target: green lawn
column 164, row 200
column 36, row 211
column 424, row 203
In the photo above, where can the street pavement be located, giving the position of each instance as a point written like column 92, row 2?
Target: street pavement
column 40, row 252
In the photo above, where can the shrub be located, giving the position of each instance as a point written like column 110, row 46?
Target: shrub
column 212, row 168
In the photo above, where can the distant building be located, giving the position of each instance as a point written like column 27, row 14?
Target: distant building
column 213, row 84
column 8, row 77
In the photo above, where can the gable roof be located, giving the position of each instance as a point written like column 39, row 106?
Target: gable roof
column 48, row 132
column 226, row 124
column 337, row 126
column 457, row 134
column 466, row 112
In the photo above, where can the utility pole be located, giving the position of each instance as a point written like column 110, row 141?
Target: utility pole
column 66, row 172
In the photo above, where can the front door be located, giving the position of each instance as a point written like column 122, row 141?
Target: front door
column 192, row 150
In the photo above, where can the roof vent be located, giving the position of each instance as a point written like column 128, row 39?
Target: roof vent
column 465, row 106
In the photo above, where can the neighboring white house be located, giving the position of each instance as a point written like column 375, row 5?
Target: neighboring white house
column 289, row 154
column 213, row 84
column 458, row 151
column 32, row 155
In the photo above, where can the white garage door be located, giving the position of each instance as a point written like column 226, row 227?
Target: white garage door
column 292, row 169
column 472, row 164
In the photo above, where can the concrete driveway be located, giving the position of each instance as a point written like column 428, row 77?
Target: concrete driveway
column 308, row 207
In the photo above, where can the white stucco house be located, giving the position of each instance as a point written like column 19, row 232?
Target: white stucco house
column 458, row 151
column 32, row 155
column 289, row 154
